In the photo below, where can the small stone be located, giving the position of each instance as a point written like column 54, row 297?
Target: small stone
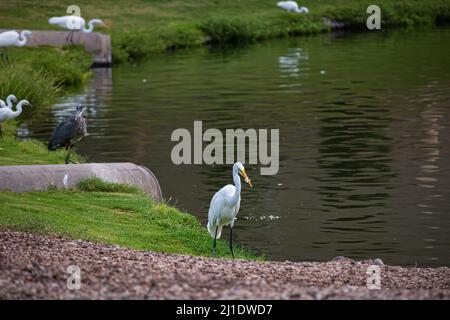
column 378, row 262
column 339, row 258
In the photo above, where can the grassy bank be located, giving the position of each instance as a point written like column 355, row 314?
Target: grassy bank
column 146, row 27
column 109, row 213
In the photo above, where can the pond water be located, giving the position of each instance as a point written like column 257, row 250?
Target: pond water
column 364, row 139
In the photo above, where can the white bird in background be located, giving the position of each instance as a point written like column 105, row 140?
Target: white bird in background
column 292, row 6
column 12, row 39
column 7, row 114
column 9, row 100
column 74, row 23
column 225, row 206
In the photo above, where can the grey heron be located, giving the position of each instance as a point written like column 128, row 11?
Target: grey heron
column 69, row 132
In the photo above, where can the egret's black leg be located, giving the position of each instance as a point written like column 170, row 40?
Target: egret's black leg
column 5, row 56
column 231, row 242
column 214, row 242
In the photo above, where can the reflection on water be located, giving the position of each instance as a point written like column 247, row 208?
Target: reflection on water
column 364, row 139
column 290, row 63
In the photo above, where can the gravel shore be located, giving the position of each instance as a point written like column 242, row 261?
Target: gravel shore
column 34, row 267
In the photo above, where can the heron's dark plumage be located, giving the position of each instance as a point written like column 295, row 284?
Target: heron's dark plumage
column 68, row 130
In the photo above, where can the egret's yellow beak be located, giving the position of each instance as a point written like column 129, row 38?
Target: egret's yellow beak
column 246, row 178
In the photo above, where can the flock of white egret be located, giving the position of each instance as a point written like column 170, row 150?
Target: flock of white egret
column 13, row 38
column 72, row 23
column 225, row 203
column 7, row 111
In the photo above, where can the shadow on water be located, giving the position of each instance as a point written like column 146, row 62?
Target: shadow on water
column 364, row 139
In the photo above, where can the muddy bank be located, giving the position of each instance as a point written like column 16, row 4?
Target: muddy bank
column 34, row 267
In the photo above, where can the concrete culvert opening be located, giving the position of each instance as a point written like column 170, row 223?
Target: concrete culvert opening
column 63, row 176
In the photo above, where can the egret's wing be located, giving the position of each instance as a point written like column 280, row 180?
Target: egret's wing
column 214, row 209
column 236, row 210
column 218, row 202
column 238, row 205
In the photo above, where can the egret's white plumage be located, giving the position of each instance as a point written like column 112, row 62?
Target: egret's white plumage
column 292, row 6
column 7, row 114
column 13, row 38
column 9, row 100
column 223, row 209
column 225, row 205
column 75, row 23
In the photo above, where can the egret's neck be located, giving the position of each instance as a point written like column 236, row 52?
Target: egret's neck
column 90, row 29
column 18, row 111
column 22, row 39
column 9, row 102
column 237, row 184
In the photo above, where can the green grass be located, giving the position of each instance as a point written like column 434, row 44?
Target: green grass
column 144, row 27
column 110, row 213
column 42, row 74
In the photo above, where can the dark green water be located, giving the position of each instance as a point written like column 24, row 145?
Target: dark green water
column 364, row 139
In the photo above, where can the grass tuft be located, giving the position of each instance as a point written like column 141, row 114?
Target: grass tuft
column 95, row 184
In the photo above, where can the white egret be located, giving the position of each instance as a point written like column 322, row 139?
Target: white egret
column 225, row 206
column 292, row 6
column 12, row 38
column 74, row 23
column 7, row 114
